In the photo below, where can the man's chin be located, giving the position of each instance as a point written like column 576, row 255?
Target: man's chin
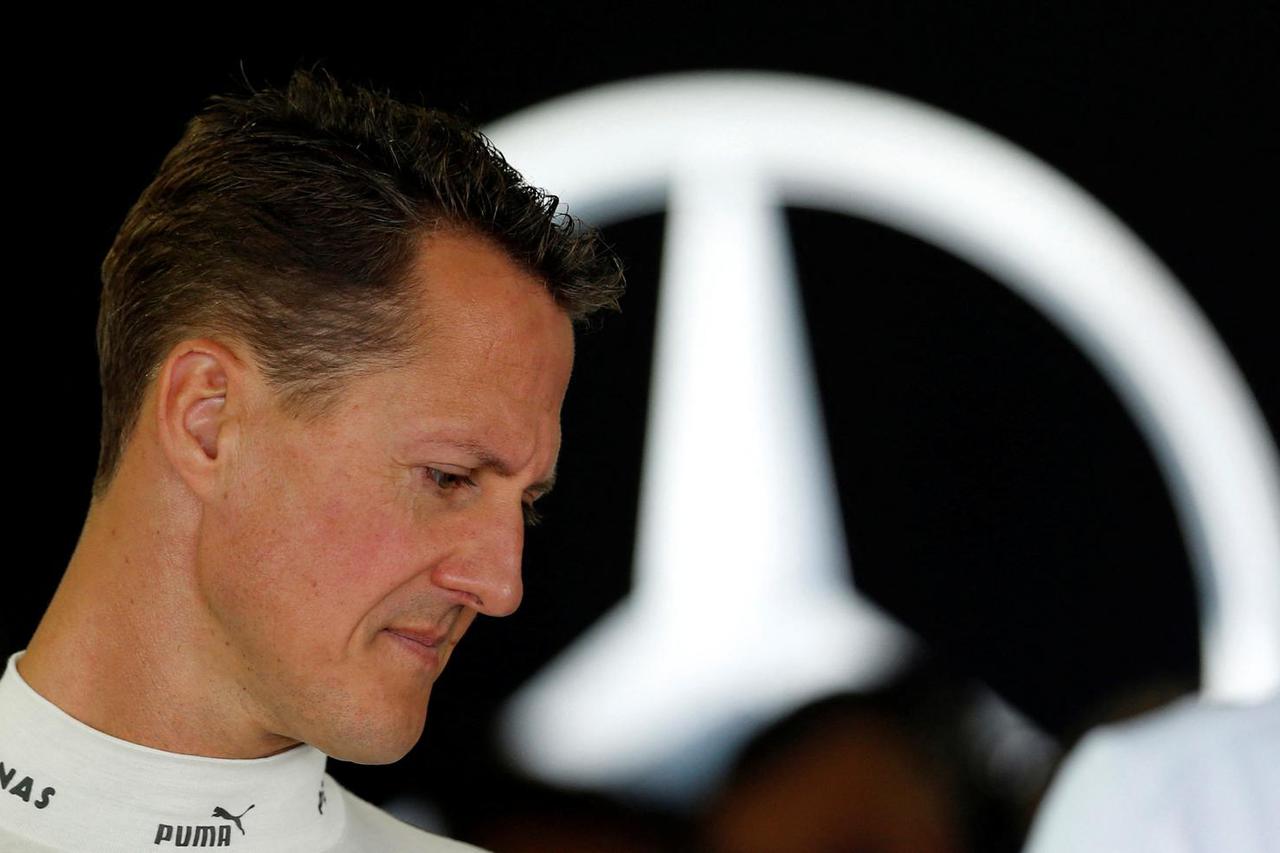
column 374, row 745
column 366, row 754
column 370, row 756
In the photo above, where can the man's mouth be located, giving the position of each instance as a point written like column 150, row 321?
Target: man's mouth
column 427, row 645
column 429, row 637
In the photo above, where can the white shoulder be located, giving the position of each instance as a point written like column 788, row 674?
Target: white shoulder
column 369, row 828
column 1190, row 777
column 10, row 843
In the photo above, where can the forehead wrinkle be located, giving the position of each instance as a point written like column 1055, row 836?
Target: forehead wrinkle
column 493, row 362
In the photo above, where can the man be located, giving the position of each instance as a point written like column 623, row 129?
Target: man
column 335, row 335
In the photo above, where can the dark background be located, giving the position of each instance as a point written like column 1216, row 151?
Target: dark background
column 996, row 497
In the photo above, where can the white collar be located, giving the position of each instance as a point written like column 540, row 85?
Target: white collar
column 70, row 786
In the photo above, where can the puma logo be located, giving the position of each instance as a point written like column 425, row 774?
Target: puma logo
column 193, row 836
column 202, row 836
column 219, row 811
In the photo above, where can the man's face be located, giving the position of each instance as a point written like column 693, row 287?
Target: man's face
column 349, row 555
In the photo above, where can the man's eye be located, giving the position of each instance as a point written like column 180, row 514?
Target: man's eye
column 445, row 481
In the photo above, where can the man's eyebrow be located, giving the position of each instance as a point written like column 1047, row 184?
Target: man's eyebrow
column 486, row 458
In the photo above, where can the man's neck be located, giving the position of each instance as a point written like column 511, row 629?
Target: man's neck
column 127, row 647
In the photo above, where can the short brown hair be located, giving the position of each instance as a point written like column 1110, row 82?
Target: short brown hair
column 288, row 219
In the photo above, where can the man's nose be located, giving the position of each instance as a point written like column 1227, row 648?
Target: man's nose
column 485, row 565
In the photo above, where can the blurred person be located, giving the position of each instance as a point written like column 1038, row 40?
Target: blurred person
column 335, row 334
column 891, row 770
column 1191, row 777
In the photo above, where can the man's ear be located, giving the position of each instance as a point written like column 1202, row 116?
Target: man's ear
column 199, row 399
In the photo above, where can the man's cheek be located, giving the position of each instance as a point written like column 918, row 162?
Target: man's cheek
column 362, row 547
